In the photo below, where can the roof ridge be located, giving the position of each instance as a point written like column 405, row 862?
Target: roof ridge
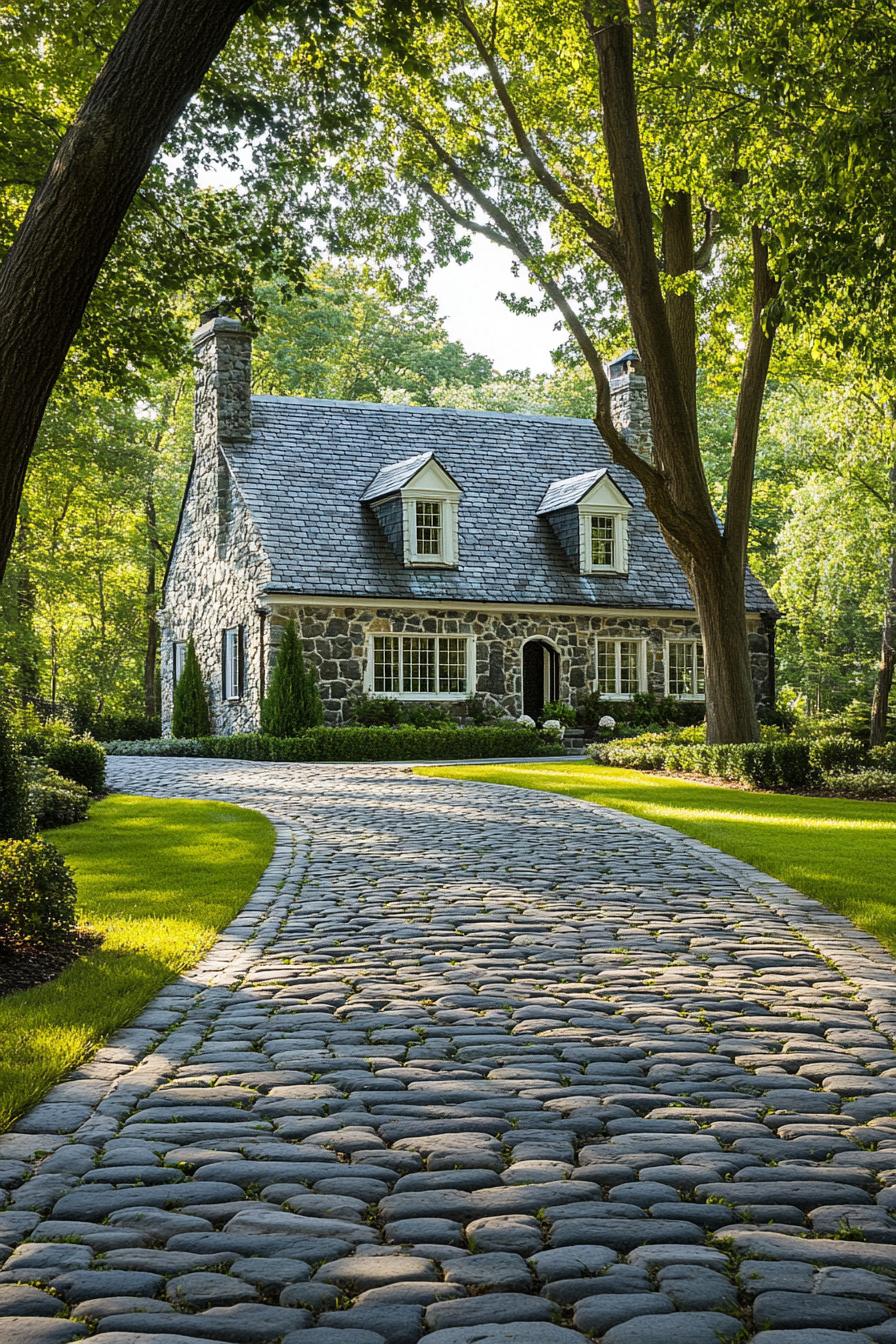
column 267, row 397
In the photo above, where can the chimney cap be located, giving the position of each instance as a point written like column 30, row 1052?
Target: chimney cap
column 628, row 363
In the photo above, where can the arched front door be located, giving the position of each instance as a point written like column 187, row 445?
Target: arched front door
column 541, row 676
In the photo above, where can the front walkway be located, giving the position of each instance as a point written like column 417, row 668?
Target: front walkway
column 474, row 1064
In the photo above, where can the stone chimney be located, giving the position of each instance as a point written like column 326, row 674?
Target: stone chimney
column 628, row 402
column 223, row 379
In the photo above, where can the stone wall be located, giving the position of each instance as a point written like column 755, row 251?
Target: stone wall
column 335, row 639
column 631, row 413
column 218, row 565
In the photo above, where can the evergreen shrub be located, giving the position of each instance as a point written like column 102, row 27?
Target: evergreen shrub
column 81, row 759
column 37, row 893
column 190, row 716
column 55, row 800
column 16, row 817
column 293, row 701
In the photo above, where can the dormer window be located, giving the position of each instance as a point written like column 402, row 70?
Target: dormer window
column 603, row 541
column 589, row 514
column 416, row 503
column 428, row 530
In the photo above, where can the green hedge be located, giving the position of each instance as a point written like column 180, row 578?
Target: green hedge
column 37, row 893
column 883, row 758
column 55, row 800
column 839, row 752
column 779, row 764
column 80, row 759
column 355, row 744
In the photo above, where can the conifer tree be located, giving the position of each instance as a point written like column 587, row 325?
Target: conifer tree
column 190, row 717
column 293, row 701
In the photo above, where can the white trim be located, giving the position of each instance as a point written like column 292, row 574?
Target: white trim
column 698, row 698
column 619, row 517
column 470, row 641
column 641, row 641
column 448, row 522
column 365, row 602
column 231, row 664
column 178, row 646
column 551, row 644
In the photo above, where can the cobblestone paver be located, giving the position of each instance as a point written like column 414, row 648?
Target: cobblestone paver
column 474, row 1066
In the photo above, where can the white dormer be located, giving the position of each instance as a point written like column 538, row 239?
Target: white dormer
column 428, row 497
column 590, row 514
column 603, row 529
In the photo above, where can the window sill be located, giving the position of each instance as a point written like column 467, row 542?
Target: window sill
column 457, row 696
column 606, row 571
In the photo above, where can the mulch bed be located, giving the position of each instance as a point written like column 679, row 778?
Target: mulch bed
column 24, row 966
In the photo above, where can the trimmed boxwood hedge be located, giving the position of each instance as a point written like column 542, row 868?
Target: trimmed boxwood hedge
column 355, row 744
column 784, row 764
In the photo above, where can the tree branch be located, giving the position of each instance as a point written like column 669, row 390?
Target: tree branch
column 603, row 240
column 749, row 403
column 711, row 222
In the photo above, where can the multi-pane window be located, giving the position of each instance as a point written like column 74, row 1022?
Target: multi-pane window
column 603, row 541
column 428, row 528
column 180, row 658
column 419, row 665
column 619, row 666
column 684, row 663
column 231, row 659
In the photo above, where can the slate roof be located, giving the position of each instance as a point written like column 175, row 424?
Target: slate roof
column 310, row 462
column 395, row 475
column 563, row 494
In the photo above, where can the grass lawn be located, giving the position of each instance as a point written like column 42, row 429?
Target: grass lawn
column 158, row 878
column 839, row 851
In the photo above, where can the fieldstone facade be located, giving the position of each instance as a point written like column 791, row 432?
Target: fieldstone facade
column 226, row 570
column 336, row 641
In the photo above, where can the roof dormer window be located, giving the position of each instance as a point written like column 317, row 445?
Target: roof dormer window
column 589, row 514
column 416, row 502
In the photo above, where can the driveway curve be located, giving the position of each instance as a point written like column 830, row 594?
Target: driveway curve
column 473, row 1064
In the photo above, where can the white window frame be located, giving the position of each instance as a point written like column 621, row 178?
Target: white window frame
column 620, row 539
column 617, row 641
column 178, row 659
column 401, row 694
column 696, row 642
column 232, row 663
column 447, row 553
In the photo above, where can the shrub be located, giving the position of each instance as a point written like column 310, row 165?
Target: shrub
column 35, row 735
column 839, row 754
column 37, row 893
column 293, row 701
column 356, row 744
column 80, row 759
column 559, row 710
column 480, row 710
column 16, row 818
column 883, row 758
column 190, row 716
column 426, row 714
column 764, row 765
column 156, row 746
column 124, row 727
column 377, row 711
column 589, row 710
column 862, row 784
column 55, row 800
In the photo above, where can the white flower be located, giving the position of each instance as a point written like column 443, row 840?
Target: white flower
column 606, row 721
column 553, row 726
column 525, row 721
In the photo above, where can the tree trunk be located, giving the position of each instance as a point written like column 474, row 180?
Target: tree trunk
column 49, row 272
column 151, row 654
column 718, row 591
column 880, row 700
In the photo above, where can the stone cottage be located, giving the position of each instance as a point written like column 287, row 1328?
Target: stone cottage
column 426, row 554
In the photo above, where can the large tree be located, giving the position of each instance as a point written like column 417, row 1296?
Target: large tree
column 658, row 156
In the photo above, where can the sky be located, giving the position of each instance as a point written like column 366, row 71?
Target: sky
column 475, row 316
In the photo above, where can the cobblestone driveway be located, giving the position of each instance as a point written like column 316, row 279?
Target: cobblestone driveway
column 473, row 1065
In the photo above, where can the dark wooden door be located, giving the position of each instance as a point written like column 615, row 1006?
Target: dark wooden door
column 533, row 678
